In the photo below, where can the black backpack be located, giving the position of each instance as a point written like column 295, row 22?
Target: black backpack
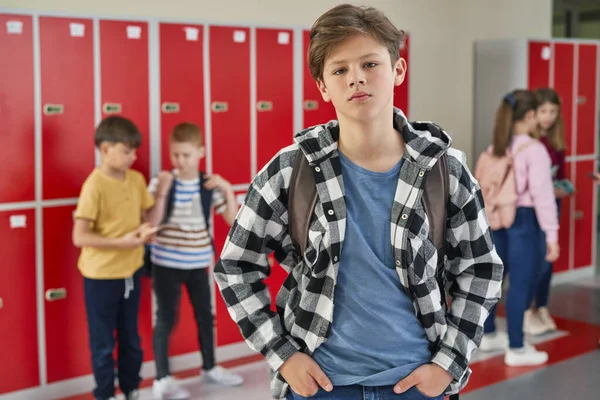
column 206, row 196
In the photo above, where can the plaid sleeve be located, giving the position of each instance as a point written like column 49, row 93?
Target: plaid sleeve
column 259, row 229
column 474, row 270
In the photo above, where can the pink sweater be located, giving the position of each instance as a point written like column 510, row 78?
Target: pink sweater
column 533, row 177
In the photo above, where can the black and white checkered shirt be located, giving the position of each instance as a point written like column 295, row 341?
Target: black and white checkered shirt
column 305, row 302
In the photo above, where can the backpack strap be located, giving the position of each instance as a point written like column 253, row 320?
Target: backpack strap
column 169, row 203
column 302, row 198
column 436, row 189
column 206, row 197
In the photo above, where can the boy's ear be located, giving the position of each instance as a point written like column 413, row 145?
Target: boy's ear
column 399, row 71
column 323, row 89
column 202, row 151
column 104, row 146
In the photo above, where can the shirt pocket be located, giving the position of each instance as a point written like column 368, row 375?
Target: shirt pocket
column 422, row 251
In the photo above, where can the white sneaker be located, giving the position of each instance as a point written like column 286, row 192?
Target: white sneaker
column 525, row 356
column 133, row 395
column 546, row 319
column 168, row 388
column 532, row 325
column 223, row 377
column 494, row 341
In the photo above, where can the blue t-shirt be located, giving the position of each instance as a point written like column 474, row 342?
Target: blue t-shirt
column 376, row 338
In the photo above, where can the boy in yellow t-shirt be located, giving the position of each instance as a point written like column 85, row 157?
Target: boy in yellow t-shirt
column 110, row 231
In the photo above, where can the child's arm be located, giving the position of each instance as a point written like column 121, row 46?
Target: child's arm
column 84, row 236
column 159, row 187
column 227, row 207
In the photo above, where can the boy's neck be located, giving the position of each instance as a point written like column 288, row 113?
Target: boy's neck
column 376, row 146
column 112, row 172
column 188, row 175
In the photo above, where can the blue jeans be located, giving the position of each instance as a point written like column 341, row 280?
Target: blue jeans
column 543, row 290
column 522, row 248
column 358, row 392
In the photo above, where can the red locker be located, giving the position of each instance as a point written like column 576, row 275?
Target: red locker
column 124, row 79
column 584, row 215
column 316, row 110
column 401, row 92
column 275, row 92
column 18, row 308
column 67, row 345
column 227, row 330
column 230, row 102
column 540, row 54
column 181, row 82
column 564, row 232
column 564, row 75
column 67, row 70
column 586, row 102
column 16, row 109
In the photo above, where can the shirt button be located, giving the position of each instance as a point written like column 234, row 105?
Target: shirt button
column 318, row 169
column 421, row 174
column 398, row 263
column 404, row 216
column 423, row 232
column 330, row 212
column 335, row 259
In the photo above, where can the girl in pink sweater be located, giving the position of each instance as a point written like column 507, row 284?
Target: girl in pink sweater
column 533, row 235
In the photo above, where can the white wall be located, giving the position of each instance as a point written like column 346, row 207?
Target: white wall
column 442, row 34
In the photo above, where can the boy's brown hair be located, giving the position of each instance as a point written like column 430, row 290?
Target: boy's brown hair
column 117, row 129
column 187, row 132
column 345, row 21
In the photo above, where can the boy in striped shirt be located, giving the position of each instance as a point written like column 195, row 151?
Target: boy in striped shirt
column 183, row 253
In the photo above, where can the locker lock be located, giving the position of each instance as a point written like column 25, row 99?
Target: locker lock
column 56, row 294
column 169, row 108
column 264, row 105
column 311, row 105
column 111, row 108
column 219, row 106
column 53, row 109
column 581, row 100
column 578, row 214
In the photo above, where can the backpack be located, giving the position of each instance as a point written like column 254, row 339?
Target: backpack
column 206, row 196
column 303, row 196
column 496, row 178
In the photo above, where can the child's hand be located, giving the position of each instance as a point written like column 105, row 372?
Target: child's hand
column 138, row 236
column 217, row 181
column 165, row 180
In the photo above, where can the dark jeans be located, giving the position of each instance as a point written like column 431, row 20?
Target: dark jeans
column 543, row 290
column 167, row 287
column 520, row 248
column 114, row 304
column 357, row 392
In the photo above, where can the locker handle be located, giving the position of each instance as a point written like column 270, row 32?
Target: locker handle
column 311, row 105
column 1, row 302
column 578, row 214
column 169, row 108
column 264, row 105
column 219, row 106
column 581, row 100
column 53, row 109
column 111, row 108
column 56, row 294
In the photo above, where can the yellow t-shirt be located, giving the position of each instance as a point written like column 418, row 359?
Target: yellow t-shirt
column 114, row 208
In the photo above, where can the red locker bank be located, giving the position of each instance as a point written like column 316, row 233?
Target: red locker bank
column 571, row 68
column 62, row 75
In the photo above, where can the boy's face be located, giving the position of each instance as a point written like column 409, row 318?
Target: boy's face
column 118, row 156
column 186, row 156
column 358, row 77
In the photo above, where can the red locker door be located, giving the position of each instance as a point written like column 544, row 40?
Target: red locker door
column 124, row 79
column 401, row 92
column 316, row 110
column 540, row 54
column 67, row 349
column 587, row 87
column 16, row 109
column 230, row 102
column 275, row 92
column 564, row 56
column 18, row 336
column 564, row 232
column 584, row 215
column 181, row 83
column 227, row 330
column 67, row 64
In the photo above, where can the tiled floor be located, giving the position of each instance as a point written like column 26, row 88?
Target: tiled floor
column 572, row 373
